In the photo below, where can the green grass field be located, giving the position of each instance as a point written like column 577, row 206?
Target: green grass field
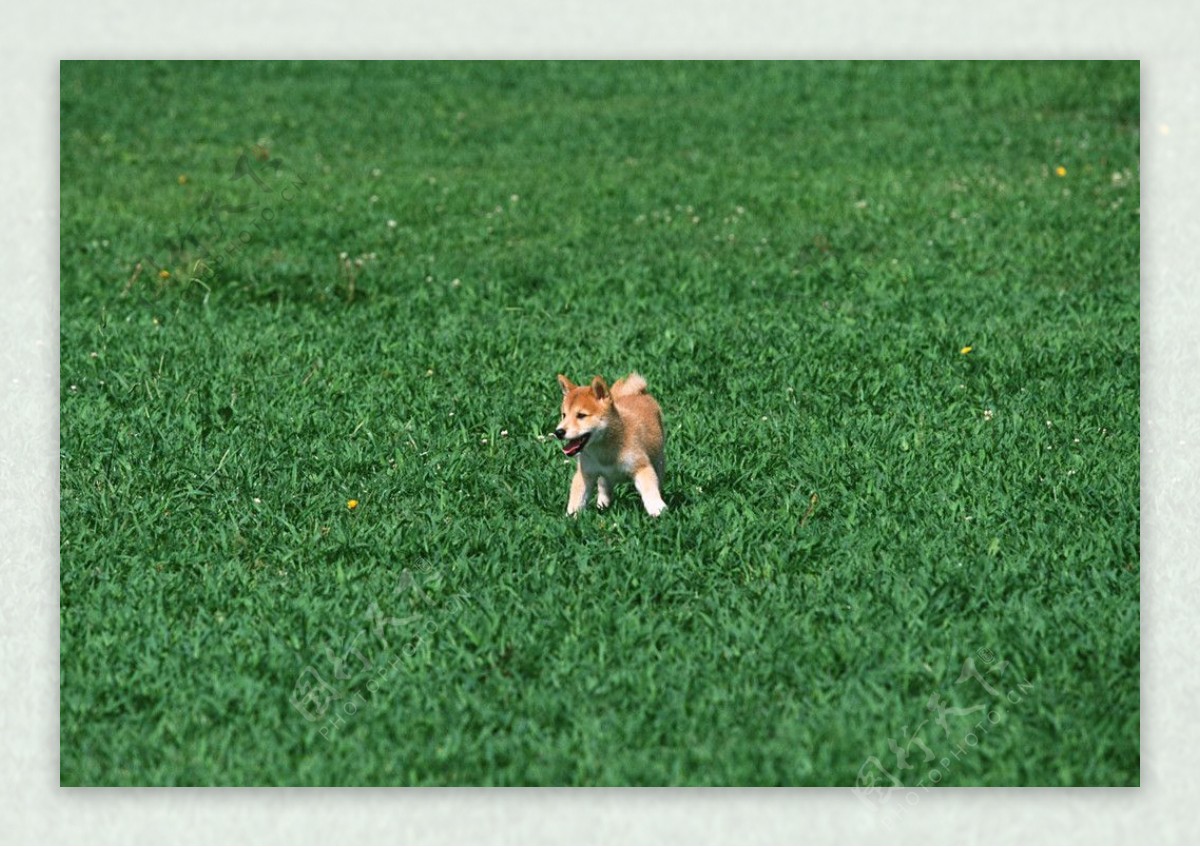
column 890, row 312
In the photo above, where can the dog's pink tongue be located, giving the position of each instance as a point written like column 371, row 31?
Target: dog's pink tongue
column 572, row 447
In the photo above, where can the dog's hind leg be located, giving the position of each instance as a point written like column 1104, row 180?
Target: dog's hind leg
column 646, row 481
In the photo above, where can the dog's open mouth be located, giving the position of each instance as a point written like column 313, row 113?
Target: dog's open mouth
column 570, row 448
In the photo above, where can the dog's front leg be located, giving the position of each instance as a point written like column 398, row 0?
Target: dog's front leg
column 581, row 491
column 603, row 492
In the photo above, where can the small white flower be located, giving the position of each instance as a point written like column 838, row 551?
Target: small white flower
column 391, row 224
column 504, row 433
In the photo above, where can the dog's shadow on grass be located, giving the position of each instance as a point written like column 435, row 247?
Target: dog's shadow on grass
column 681, row 491
column 679, row 500
column 676, row 494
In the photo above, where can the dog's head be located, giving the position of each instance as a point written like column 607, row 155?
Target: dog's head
column 585, row 410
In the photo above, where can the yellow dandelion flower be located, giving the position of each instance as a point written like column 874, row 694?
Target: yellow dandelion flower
column 183, row 179
column 164, row 274
column 966, row 350
column 351, row 504
column 1060, row 170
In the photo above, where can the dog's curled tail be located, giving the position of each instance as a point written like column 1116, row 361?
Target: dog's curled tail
column 633, row 384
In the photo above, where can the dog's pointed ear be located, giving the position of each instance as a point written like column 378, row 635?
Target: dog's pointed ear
column 566, row 384
column 599, row 387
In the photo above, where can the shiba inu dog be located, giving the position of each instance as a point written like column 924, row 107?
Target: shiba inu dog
column 617, row 434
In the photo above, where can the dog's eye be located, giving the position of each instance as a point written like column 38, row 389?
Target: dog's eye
column 581, row 414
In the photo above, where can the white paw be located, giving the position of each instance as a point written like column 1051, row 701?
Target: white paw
column 656, row 508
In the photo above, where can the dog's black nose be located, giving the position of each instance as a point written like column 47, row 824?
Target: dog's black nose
column 560, row 433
